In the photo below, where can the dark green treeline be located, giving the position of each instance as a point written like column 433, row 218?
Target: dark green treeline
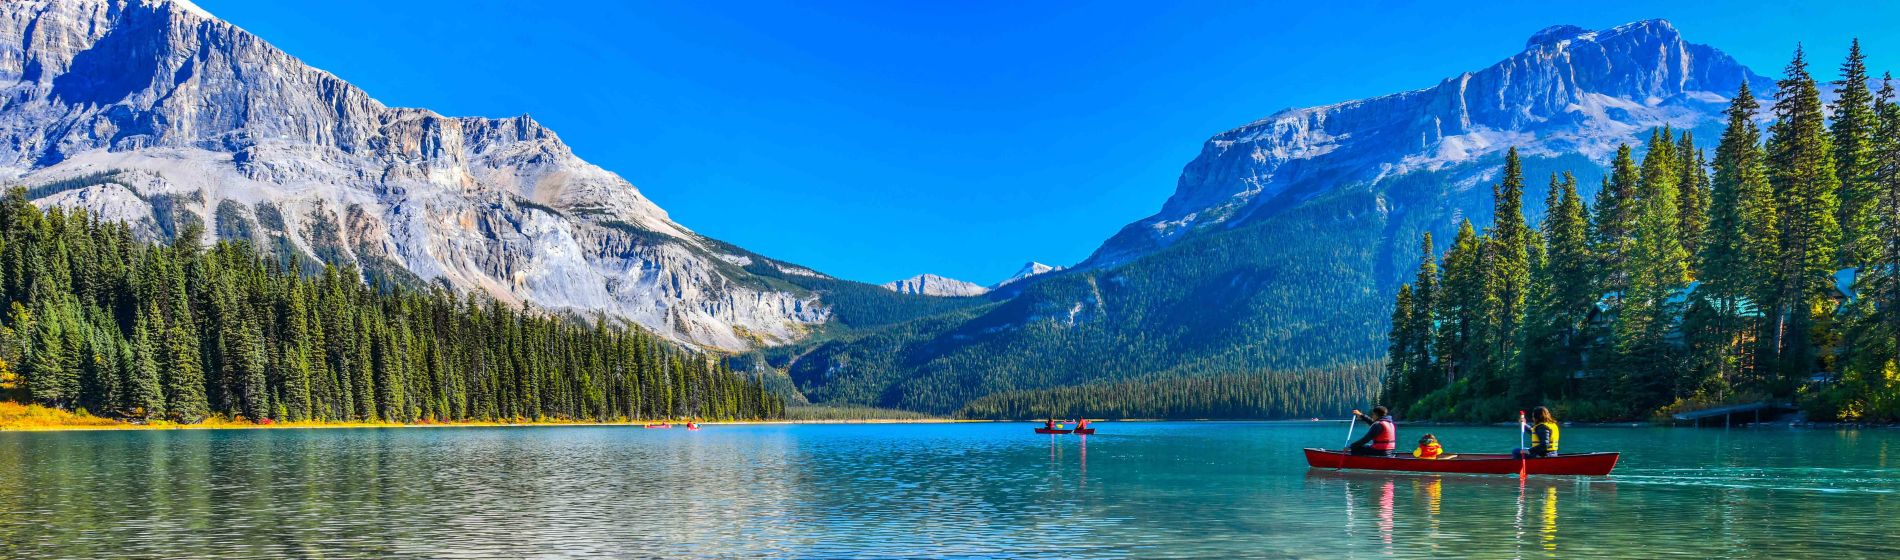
column 1288, row 394
column 98, row 320
column 1770, row 270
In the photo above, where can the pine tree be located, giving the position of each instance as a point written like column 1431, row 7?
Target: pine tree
column 52, row 375
column 1738, row 251
column 1424, row 324
column 1508, row 270
column 1853, row 142
column 1461, row 306
column 145, row 388
column 1565, row 292
column 1658, row 268
column 1692, row 198
column 1801, row 170
column 1884, row 284
column 1401, row 344
column 1614, row 228
column 184, row 376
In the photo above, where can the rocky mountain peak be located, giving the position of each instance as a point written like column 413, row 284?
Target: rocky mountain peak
column 1031, row 268
column 156, row 113
column 1569, row 92
column 934, row 285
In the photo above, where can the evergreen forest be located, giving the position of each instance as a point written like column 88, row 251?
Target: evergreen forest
column 1766, row 270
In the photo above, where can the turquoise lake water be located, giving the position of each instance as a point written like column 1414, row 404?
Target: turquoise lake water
column 1142, row 490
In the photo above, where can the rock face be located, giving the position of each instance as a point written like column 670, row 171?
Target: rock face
column 156, row 113
column 934, row 285
column 1287, row 237
column 1570, row 92
column 1031, row 268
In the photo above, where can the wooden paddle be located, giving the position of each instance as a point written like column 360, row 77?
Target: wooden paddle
column 1351, row 423
column 1523, row 452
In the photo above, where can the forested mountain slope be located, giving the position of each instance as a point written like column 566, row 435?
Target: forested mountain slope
column 159, row 115
column 1283, row 244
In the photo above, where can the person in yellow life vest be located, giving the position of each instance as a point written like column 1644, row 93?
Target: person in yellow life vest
column 1428, row 448
column 1544, row 432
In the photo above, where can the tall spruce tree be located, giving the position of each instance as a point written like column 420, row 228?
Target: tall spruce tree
column 1692, row 193
column 1424, row 327
column 1658, row 268
column 1852, row 133
column 1737, row 256
column 1401, row 342
column 1565, row 292
column 1869, row 386
column 1508, row 269
column 145, row 388
column 1884, row 276
column 1461, row 306
column 1801, row 170
column 52, row 375
column 1614, row 226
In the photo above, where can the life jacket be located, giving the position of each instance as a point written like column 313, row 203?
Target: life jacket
column 1428, row 451
column 1536, row 441
column 1389, row 440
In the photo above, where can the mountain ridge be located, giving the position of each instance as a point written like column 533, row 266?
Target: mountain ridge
column 157, row 113
column 1286, row 236
column 1570, row 91
column 934, row 285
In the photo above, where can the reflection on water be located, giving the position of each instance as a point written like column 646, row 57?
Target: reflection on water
column 1149, row 490
column 1550, row 518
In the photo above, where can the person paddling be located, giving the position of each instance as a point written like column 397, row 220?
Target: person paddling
column 1382, row 439
column 1543, row 430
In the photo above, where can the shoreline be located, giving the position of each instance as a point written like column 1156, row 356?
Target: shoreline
column 228, row 425
column 127, row 426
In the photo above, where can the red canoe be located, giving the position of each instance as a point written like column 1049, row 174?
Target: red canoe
column 1586, row 464
column 1052, row 431
column 1084, row 431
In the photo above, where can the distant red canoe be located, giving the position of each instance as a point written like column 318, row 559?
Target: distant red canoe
column 1052, row 431
column 1583, row 464
column 659, row 425
column 1084, row 431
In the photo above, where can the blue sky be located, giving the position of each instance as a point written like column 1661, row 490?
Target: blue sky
column 877, row 140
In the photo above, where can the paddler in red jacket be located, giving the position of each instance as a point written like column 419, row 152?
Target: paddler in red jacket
column 1382, row 439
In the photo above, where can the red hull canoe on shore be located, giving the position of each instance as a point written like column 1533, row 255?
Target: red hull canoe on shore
column 1052, row 431
column 1585, row 464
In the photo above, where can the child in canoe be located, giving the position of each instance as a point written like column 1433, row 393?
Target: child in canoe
column 1428, row 448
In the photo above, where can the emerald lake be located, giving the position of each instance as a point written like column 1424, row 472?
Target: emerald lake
column 1169, row 489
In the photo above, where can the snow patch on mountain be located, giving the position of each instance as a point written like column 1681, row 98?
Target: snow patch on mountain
column 1031, row 268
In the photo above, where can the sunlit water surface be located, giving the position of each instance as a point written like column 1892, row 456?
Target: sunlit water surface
column 965, row 490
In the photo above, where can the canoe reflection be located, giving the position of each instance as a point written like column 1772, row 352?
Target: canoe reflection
column 1412, row 509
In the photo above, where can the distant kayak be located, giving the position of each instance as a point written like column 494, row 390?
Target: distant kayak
column 1584, row 464
column 659, row 425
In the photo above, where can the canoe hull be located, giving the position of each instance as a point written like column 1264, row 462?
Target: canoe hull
column 1084, row 431
column 1052, row 431
column 1582, row 464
